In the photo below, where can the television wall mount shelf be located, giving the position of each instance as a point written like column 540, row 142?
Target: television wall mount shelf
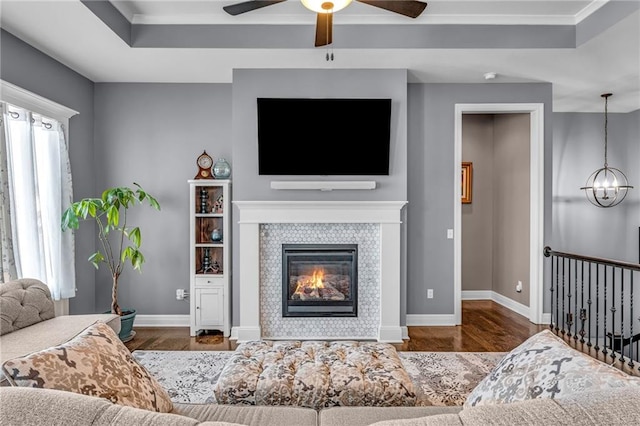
column 323, row 185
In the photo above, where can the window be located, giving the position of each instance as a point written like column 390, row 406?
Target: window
column 35, row 181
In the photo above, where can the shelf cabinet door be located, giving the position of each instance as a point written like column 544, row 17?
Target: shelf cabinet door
column 210, row 307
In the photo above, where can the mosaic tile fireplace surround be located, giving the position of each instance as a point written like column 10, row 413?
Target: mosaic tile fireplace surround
column 371, row 226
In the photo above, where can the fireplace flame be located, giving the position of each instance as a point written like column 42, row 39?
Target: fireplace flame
column 310, row 287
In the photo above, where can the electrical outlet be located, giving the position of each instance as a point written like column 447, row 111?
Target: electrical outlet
column 429, row 293
column 450, row 234
column 519, row 287
column 180, row 294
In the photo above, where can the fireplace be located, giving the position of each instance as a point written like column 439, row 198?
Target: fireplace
column 319, row 280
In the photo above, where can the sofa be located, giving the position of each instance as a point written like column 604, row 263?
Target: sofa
column 35, row 407
column 28, row 322
column 93, row 379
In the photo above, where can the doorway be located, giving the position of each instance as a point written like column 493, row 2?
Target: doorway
column 536, row 201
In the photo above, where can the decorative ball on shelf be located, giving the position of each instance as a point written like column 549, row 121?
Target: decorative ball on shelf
column 216, row 235
column 221, row 169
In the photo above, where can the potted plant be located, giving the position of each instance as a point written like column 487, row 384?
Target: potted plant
column 119, row 242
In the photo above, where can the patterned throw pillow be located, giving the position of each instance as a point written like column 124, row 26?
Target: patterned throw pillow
column 544, row 366
column 95, row 363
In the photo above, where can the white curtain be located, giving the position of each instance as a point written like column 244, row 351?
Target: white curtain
column 7, row 259
column 39, row 189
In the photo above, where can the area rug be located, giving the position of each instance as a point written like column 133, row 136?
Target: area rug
column 440, row 378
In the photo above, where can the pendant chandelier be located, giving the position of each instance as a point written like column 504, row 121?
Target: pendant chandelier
column 607, row 186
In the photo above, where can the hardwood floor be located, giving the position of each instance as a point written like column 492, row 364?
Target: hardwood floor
column 486, row 327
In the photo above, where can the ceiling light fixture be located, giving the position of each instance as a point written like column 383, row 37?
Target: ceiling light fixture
column 607, row 186
column 323, row 6
column 325, row 9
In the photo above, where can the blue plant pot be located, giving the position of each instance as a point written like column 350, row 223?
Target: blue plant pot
column 126, row 324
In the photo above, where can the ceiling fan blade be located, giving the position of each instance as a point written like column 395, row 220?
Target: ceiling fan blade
column 410, row 8
column 248, row 6
column 324, row 29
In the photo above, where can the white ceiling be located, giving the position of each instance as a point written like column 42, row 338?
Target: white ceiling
column 69, row 32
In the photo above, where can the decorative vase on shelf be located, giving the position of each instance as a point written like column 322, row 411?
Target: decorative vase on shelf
column 221, row 169
column 216, row 235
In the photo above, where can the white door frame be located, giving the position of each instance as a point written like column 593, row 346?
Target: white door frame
column 536, row 191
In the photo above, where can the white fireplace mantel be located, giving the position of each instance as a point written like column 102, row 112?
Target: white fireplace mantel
column 253, row 213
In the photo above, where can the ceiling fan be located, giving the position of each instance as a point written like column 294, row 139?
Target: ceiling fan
column 326, row 8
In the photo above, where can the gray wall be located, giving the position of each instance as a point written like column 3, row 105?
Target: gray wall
column 249, row 84
column 511, row 200
column 430, row 159
column 152, row 134
column 32, row 70
column 150, row 119
column 477, row 217
column 578, row 151
column 632, row 141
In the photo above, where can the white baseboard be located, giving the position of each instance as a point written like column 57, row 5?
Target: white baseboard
column 390, row 334
column 430, row 319
column 516, row 307
column 162, row 320
column 234, row 333
column 244, row 334
column 445, row 320
column 477, row 295
column 405, row 332
column 546, row 318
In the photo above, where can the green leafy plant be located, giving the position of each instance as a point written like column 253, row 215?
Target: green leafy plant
column 119, row 242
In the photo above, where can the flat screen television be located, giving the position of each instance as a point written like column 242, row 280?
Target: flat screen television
column 323, row 136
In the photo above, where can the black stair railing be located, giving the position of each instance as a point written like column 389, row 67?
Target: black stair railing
column 592, row 302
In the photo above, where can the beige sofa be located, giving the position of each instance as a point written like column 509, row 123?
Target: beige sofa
column 567, row 386
column 35, row 407
column 28, row 322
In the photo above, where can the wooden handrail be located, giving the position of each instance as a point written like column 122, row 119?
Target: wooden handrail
column 609, row 262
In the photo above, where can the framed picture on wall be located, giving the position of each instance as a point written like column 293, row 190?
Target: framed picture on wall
column 467, row 176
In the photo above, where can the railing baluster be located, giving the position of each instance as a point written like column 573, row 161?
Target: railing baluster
column 576, row 313
column 613, row 314
column 557, row 295
column 583, row 310
column 631, row 345
column 604, row 324
column 551, row 289
column 589, row 302
column 597, row 346
column 569, row 315
column 622, row 315
column 564, row 318
column 614, row 321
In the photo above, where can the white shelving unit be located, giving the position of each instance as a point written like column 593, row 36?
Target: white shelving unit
column 209, row 258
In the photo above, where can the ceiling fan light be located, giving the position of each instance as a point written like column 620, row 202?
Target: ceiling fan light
column 316, row 5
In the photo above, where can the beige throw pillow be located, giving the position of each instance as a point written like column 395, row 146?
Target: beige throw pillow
column 95, row 363
column 544, row 366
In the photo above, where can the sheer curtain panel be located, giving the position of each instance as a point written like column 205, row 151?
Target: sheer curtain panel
column 38, row 188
